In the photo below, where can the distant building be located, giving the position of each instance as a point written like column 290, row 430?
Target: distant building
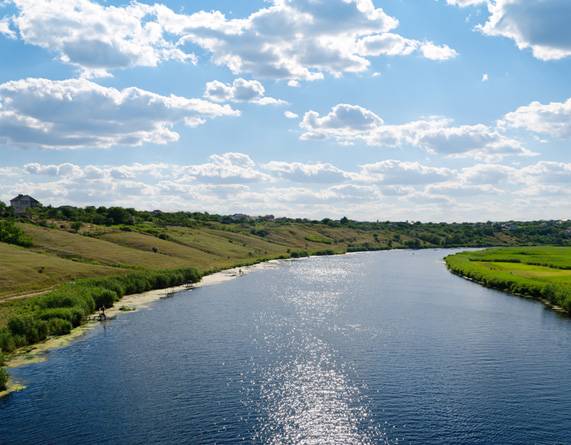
column 21, row 203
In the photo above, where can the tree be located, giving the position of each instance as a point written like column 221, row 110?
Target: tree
column 119, row 215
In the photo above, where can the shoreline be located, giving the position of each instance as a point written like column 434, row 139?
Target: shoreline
column 38, row 353
column 558, row 309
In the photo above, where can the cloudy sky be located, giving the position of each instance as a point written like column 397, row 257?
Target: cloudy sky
column 431, row 110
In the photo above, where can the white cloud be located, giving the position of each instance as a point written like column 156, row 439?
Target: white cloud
column 350, row 124
column 548, row 172
column 94, row 37
column 540, row 25
column 227, row 168
column 485, row 77
column 291, row 115
column 389, row 44
column 241, row 90
column 61, row 170
column 90, row 115
column 393, row 172
column 552, row 119
column 233, row 182
column 296, row 39
column 300, row 172
column 464, row 3
column 6, row 29
column 437, row 52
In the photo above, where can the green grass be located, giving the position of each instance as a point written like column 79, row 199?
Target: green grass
column 25, row 271
column 67, row 306
column 58, row 254
column 539, row 272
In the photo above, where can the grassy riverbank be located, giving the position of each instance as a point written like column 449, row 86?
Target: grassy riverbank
column 543, row 273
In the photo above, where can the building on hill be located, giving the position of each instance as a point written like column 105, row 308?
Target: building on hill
column 21, row 203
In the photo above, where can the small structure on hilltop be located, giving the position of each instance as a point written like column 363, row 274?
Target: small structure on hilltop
column 21, row 203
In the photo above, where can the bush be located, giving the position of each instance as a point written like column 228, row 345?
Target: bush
column 3, row 379
column 103, row 297
column 10, row 233
column 58, row 326
column 31, row 329
column 325, row 252
column 7, row 343
column 66, row 307
column 73, row 315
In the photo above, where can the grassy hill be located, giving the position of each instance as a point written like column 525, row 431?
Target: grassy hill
column 539, row 272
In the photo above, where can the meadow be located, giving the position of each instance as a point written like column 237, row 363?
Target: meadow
column 540, row 272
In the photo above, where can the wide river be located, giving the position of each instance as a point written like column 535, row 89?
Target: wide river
column 384, row 347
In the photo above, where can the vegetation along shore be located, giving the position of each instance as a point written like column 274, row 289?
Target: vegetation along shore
column 60, row 265
column 543, row 273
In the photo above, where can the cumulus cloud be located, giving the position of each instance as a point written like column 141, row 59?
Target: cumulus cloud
column 350, row 124
column 550, row 119
column 291, row 115
column 300, row 172
column 297, row 39
column 227, row 168
column 6, row 30
column 240, row 90
column 292, row 40
column 464, row 3
column 61, row 170
column 234, row 182
column 77, row 113
column 389, row 44
column 393, row 172
column 94, row 37
column 539, row 25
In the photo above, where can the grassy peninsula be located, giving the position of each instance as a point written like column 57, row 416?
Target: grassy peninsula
column 543, row 273
column 60, row 264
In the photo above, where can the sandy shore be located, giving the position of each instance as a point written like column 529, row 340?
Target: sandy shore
column 129, row 303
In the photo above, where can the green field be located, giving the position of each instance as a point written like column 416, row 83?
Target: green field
column 539, row 272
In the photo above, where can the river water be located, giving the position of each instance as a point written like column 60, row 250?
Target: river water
column 374, row 348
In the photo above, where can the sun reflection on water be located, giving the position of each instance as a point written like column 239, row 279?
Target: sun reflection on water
column 306, row 395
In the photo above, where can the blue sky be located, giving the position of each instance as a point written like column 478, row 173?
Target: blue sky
column 448, row 110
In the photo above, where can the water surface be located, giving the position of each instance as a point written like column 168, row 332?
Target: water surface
column 383, row 347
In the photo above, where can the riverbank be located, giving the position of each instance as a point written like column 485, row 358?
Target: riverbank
column 539, row 273
column 129, row 303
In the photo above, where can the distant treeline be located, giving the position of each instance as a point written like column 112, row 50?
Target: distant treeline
column 413, row 234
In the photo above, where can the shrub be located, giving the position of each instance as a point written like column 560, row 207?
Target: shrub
column 7, row 343
column 64, row 308
column 3, row 379
column 10, row 233
column 103, row 297
column 325, row 252
column 31, row 329
column 58, row 326
column 73, row 315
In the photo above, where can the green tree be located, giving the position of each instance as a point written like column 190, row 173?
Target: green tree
column 3, row 379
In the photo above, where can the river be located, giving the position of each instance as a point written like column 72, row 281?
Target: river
column 374, row 348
